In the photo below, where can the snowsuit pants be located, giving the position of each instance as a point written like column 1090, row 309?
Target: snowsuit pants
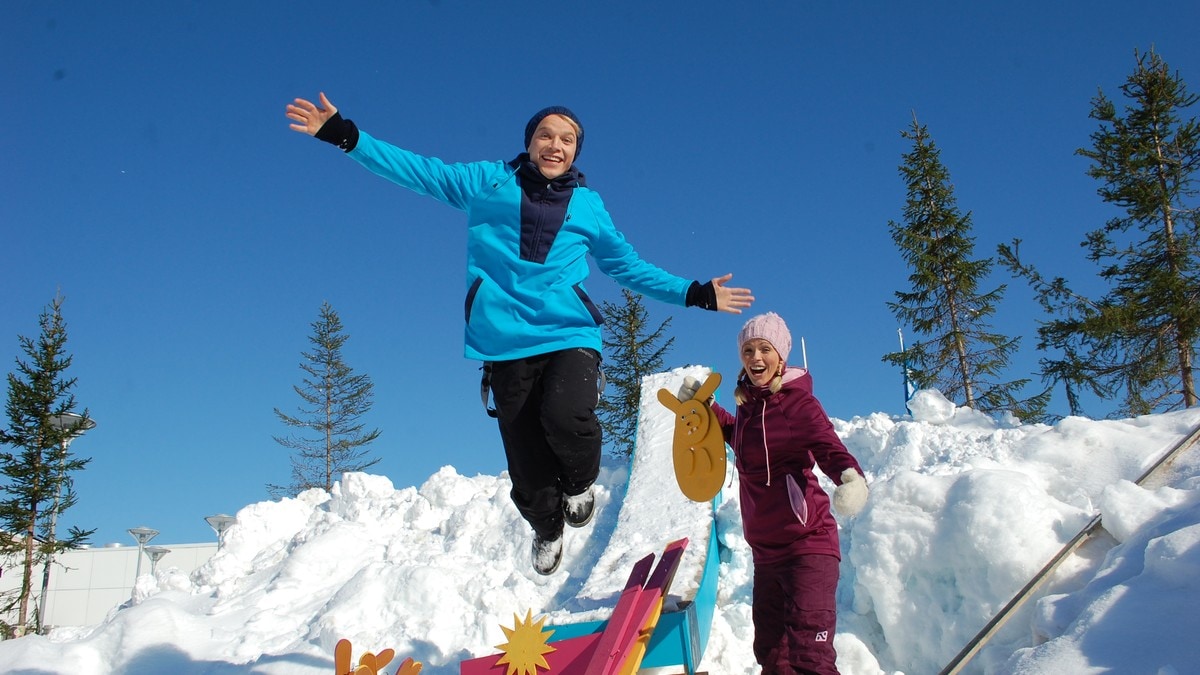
column 546, row 408
column 795, row 615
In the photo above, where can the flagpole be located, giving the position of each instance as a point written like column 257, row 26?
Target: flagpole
column 904, row 367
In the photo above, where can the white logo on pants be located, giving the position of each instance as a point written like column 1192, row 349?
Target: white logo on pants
column 823, row 636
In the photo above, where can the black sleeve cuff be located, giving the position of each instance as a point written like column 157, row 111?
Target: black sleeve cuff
column 339, row 131
column 701, row 295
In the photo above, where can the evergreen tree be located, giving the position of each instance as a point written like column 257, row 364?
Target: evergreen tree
column 1139, row 339
column 959, row 354
column 334, row 399
column 633, row 352
column 38, row 485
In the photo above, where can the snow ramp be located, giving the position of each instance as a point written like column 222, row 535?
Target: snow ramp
column 654, row 512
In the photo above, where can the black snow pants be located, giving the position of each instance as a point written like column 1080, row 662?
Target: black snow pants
column 546, row 408
column 795, row 616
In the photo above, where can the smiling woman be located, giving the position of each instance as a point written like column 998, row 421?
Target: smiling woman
column 531, row 222
column 779, row 434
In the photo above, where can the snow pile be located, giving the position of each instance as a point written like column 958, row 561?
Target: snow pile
column 963, row 511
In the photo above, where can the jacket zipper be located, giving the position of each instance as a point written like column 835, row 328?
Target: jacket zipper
column 536, row 245
column 739, row 435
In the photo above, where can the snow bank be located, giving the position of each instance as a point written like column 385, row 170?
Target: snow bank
column 963, row 510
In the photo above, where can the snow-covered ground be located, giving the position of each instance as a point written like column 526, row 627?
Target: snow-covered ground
column 964, row 510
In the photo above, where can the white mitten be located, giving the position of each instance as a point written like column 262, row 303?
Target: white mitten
column 687, row 390
column 850, row 497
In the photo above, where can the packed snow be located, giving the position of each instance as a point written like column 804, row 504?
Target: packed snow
column 964, row 510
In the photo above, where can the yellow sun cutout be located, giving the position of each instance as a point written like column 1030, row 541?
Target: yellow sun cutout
column 526, row 648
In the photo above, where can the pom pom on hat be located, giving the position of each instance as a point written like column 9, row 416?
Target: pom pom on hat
column 554, row 110
column 769, row 327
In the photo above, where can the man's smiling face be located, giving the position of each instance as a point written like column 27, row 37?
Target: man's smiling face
column 552, row 148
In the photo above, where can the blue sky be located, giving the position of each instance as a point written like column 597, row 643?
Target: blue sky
column 151, row 178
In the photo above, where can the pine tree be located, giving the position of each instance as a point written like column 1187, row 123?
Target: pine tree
column 1139, row 339
column 38, row 486
column 633, row 352
column 334, row 400
column 959, row 354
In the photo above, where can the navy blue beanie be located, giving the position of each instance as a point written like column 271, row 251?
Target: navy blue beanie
column 554, row 110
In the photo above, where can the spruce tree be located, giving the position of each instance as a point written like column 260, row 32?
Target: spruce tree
column 956, row 352
column 633, row 351
column 1138, row 340
column 334, row 399
column 38, row 472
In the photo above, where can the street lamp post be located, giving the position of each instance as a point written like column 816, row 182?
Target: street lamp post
column 155, row 553
column 219, row 523
column 143, row 535
column 62, row 422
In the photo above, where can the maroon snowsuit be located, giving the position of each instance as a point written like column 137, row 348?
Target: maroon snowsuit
column 777, row 438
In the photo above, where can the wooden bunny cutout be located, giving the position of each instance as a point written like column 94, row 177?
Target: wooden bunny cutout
column 698, row 448
column 369, row 664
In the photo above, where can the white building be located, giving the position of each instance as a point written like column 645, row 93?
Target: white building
column 87, row 584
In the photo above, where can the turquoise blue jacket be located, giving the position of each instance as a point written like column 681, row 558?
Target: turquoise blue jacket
column 519, row 307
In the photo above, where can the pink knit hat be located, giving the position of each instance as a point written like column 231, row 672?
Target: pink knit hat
column 769, row 327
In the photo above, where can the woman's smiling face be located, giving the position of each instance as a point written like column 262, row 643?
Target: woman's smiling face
column 552, row 146
column 761, row 361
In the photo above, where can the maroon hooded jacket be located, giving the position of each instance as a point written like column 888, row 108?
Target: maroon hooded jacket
column 777, row 438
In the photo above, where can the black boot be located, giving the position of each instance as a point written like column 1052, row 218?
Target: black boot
column 547, row 554
column 578, row 509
